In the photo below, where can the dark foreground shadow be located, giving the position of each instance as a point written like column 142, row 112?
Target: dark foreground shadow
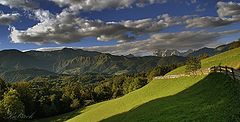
column 59, row 118
column 214, row 98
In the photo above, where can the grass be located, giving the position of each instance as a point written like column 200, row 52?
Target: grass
column 230, row 58
column 136, row 106
column 214, row 98
column 156, row 89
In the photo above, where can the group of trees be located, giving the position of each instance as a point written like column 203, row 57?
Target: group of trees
column 52, row 95
column 23, row 100
column 49, row 96
column 160, row 71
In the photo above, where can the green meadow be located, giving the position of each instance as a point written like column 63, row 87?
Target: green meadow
column 214, row 98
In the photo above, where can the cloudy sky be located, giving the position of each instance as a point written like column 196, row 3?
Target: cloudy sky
column 118, row 27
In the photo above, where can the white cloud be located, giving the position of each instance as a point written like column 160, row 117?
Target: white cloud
column 208, row 22
column 25, row 4
column 92, row 5
column 6, row 19
column 66, row 27
column 228, row 13
column 153, row 24
column 229, row 9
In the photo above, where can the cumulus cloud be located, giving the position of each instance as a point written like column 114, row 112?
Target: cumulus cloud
column 153, row 24
column 66, row 27
column 25, row 4
column 90, row 5
column 229, row 9
column 228, row 13
column 6, row 19
column 208, row 22
column 181, row 41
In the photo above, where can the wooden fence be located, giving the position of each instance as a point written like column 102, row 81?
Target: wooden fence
column 235, row 74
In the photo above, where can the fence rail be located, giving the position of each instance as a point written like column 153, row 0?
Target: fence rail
column 235, row 74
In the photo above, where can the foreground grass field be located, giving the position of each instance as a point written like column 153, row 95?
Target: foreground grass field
column 171, row 99
column 156, row 89
column 214, row 98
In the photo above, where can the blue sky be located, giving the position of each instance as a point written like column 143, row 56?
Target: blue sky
column 194, row 9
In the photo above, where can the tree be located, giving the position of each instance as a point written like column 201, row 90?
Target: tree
column 160, row 71
column 103, row 92
column 192, row 65
column 3, row 88
column 26, row 96
column 136, row 84
column 12, row 105
column 75, row 104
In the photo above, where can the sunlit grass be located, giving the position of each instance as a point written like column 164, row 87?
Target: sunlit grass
column 214, row 98
column 155, row 89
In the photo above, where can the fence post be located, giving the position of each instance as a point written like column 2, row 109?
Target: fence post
column 214, row 69
column 233, row 74
column 226, row 70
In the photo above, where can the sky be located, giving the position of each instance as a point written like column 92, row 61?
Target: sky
column 119, row 27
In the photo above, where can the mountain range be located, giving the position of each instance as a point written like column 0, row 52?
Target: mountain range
column 16, row 65
column 170, row 52
column 197, row 53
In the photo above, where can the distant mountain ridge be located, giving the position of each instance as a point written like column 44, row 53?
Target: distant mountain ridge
column 197, row 53
column 75, row 61
column 171, row 52
column 16, row 65
column 215, row 51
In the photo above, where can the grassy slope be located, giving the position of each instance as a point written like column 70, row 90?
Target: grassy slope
column 156, row 89
column 230, row 58
column 214, row 98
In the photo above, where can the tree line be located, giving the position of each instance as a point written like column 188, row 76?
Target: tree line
column 44, row 97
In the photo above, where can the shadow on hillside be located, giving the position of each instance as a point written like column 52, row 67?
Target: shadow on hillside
column 214, row 98
column 60, row 118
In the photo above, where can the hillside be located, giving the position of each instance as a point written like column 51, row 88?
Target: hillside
column 71, row 61
column 216, row 97
column 160, row 89
column 217, row 50
column 24, row 75
column 230, row 58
